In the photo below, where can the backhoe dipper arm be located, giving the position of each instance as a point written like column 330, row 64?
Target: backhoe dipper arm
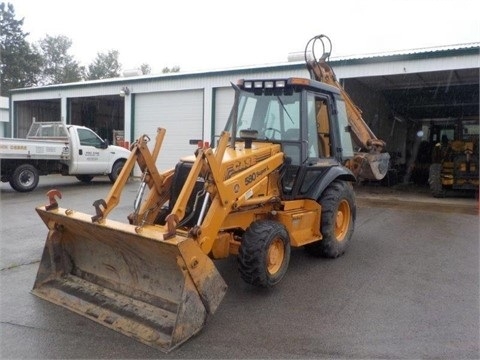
column 361, row 132
column 321, row 71
column 372, row 161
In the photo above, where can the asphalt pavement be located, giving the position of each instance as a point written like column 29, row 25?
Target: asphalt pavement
column 407, row 288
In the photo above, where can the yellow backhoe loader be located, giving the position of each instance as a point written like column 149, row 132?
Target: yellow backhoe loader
column 454, row 160
column 280, row 176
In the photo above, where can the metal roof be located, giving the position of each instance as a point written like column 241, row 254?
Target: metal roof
column 337, row 62
column 420, row 83
column 424, row 50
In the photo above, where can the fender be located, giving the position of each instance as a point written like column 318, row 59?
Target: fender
column 331, row 174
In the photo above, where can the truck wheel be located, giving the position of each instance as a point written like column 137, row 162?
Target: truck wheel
column 116, row 170
column 264, row 253
column 337, row 221
column 435, row 181
column 25, row 178
column 85, row 178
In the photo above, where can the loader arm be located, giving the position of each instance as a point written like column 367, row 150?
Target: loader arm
column 372, row 161
column 139, row 154
column 233, row 193
column 149, row 282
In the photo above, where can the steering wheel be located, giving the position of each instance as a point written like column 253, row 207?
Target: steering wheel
column 273, row 132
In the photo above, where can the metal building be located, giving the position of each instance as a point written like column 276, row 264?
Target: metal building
column 400, row 93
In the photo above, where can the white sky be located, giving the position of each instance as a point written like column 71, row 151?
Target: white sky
column 216, row 34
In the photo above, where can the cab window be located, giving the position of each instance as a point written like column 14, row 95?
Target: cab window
column 318, row 127
column 275, row 117
column 89, row 138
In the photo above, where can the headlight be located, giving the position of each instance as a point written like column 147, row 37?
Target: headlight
column 247, row 85
column 268, row 84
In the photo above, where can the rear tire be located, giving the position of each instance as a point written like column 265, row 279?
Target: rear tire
column 25, row 178
column 116, row 170
column 86, row 179
column 264, row 253
column 435, row 181
column 337, row 222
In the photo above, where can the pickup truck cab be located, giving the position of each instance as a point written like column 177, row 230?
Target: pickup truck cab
column 53, row 147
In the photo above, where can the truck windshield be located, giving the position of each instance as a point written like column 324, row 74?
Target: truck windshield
column 470, row 130
column 275, row 117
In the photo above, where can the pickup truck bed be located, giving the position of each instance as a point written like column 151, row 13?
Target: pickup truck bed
column 34, row 149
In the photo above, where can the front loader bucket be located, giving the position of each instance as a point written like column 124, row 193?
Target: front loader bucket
column 127, row 278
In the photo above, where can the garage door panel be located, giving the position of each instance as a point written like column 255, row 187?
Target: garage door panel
column 224, row 98
column 180, row 113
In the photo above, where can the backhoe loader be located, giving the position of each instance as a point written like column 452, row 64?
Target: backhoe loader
column 278, row 178
column 454, row 161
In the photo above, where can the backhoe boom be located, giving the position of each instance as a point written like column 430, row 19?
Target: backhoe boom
column 371, row 162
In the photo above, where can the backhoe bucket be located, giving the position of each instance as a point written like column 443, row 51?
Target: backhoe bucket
column 127, row 278
column 371, row 166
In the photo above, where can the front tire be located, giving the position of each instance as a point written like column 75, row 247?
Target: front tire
column 86, row 179
column 337, row 222
column 116, row 170
column 25, row 178
column 435, row 181
column 264, row 253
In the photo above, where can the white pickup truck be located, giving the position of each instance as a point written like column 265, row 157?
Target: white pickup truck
column 56, row 148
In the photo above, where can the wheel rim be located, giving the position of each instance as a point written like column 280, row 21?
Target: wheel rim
column 26, row 178
column 342, row 221
column 275, row 256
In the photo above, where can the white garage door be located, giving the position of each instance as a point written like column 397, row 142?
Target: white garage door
column 180, row 113
column 224, row 98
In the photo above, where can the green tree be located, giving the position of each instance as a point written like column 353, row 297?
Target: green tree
column 20, row 62
column 174, row 69
column 58, row 66
column 105, row 65
column 145, row 69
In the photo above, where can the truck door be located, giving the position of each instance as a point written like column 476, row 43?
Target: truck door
column 91, row 154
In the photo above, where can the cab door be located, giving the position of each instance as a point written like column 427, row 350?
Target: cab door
column 92, row 154
column 319, row 149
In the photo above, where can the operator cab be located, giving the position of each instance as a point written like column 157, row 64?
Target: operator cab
column 306, row 117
